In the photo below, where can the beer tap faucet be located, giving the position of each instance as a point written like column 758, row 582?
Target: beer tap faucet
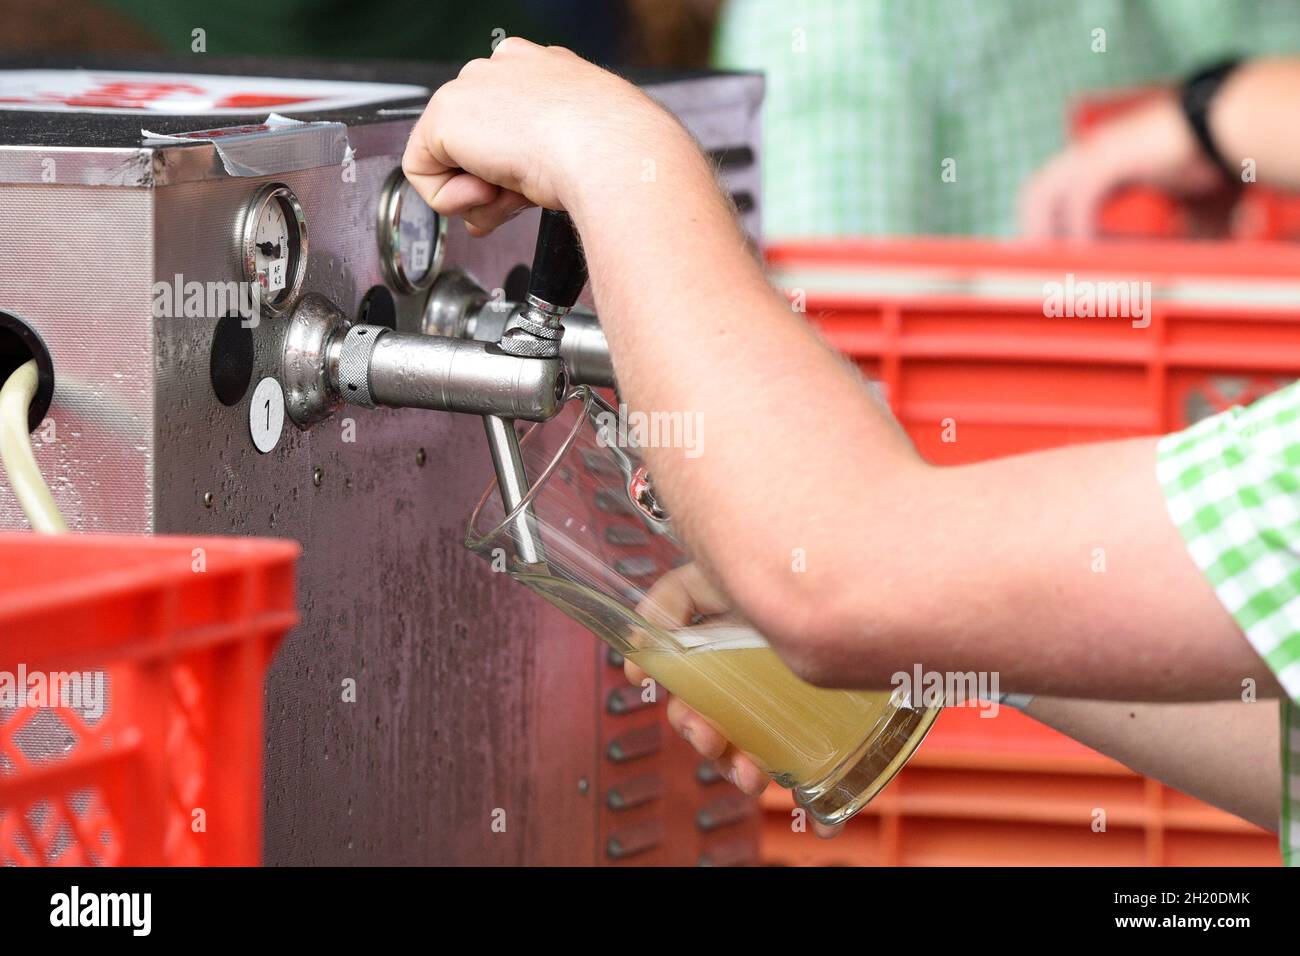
column 513, row 371
column 558, row 274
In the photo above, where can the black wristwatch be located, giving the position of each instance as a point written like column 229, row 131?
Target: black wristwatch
column 1197, row 93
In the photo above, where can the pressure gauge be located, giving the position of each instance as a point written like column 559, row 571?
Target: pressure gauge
column 275, row 245
column 410, row 236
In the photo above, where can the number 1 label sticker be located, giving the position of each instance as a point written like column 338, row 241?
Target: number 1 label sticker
column 266, row 414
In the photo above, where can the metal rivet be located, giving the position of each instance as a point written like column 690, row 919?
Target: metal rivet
column 207, row 499
column 583, row 786
column 317, row 476
column 421, row 458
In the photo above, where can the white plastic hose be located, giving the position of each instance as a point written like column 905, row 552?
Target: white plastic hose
column 16, row 452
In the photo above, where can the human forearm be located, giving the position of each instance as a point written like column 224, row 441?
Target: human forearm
column 1256, row 117
column 1252, row 116
column 1240, row 772
column 1061, row 570
column 791, row 433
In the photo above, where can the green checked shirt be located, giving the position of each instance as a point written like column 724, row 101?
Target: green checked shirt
column 1232, row 484
column 902, row 117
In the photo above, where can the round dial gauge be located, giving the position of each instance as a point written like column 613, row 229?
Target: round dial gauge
column 410, row 236
column 275, row 245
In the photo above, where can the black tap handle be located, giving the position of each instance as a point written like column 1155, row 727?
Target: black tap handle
column 559, row 267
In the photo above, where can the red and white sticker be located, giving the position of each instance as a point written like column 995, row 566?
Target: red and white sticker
column 186, row 94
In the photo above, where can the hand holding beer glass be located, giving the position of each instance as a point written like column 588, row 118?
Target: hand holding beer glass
column 680, row 596
column 609, row 558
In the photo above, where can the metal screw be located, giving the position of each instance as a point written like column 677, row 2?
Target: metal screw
column 583, row 786
column 207, row 499
column 420, row 458
column 317, row 476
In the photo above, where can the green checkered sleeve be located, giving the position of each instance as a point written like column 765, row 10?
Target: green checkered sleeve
column 1232, row 487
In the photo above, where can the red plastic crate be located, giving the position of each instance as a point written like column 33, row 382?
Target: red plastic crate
column 954, row 329
column 166, row 769
column 955, row 333
column 1009, row 791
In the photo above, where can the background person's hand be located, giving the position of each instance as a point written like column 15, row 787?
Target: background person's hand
column 531, row 125
column 681, row 597
column 1152, row 144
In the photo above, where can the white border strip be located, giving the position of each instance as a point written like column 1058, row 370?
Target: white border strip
column 909, row 282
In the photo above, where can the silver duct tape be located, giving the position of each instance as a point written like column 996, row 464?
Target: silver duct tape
column 277, row 145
